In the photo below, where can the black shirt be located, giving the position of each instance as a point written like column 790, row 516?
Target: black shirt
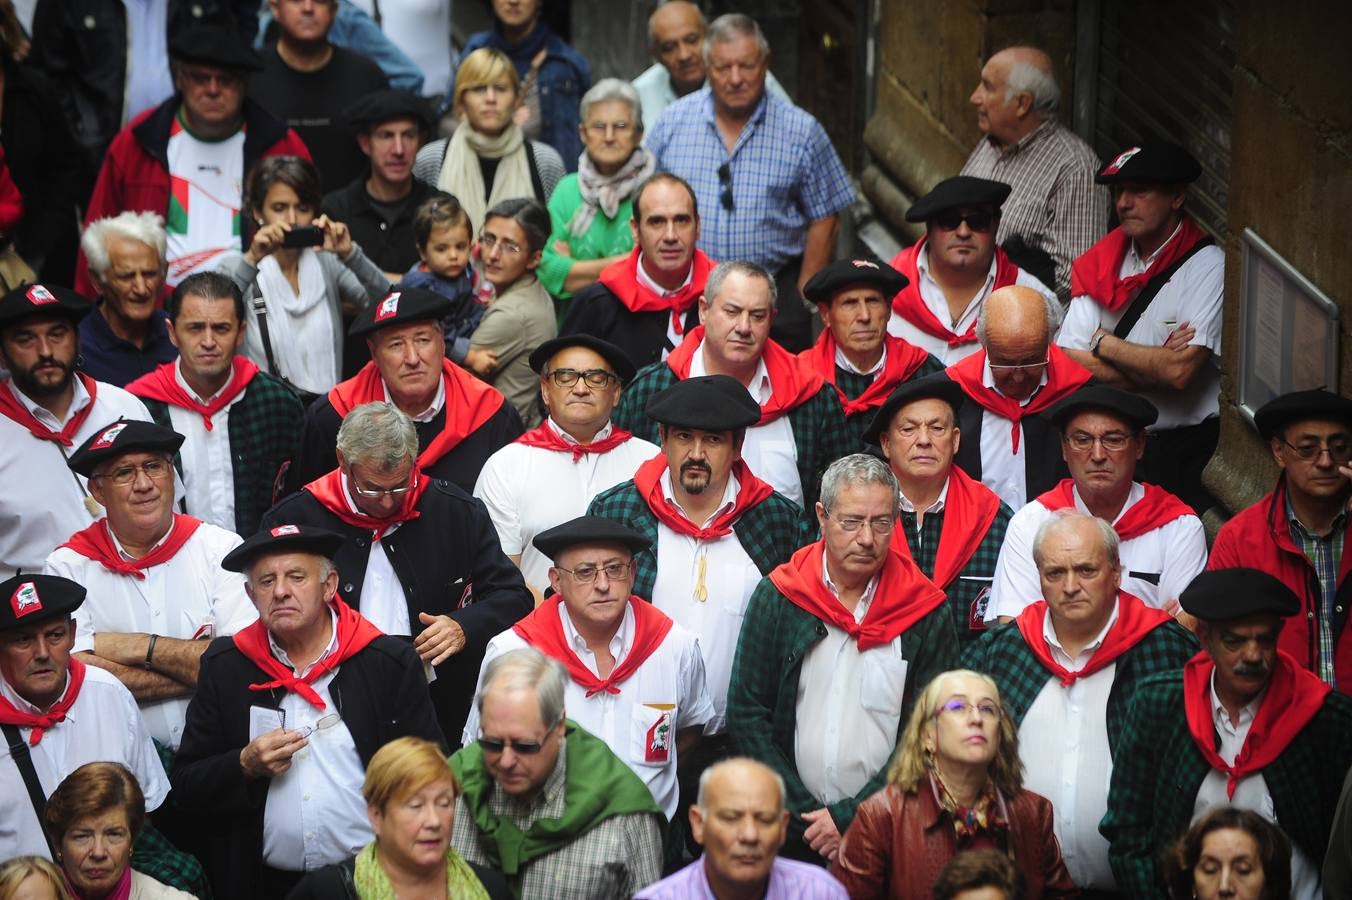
column 384, row 230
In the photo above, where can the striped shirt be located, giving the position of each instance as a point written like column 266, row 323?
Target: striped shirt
column 789, row 880
column 1325, row 553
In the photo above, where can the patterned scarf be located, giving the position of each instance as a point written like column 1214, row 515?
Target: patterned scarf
column 607, row 192
column 373, row 884
column 986, row 818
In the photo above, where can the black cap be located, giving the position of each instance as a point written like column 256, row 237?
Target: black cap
column 400, row 308
column 34, row 599
column 1154, row 163
column 122, row 436
column 283, row 539
column 955, row 193
column 843, row 273
column 1281, row 411
column 215, row 45
column 618, row 359
column 1223, row 595
column 706, row 402
column 29, row 300
column 589, row 530
column 369, row 110
column 1133, row 409
column 936, row 385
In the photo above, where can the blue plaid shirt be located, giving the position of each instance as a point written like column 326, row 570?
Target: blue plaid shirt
column 1325, row 553
column 784, row 174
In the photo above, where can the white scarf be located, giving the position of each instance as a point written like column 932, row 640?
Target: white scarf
column 607, row 191
column 461, row 177
column 300, row 326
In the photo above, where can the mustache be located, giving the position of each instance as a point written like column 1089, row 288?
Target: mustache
column 1252, row 669
column 696, row 466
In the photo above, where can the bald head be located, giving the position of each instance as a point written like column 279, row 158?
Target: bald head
column 1018, row 91
column 676, row 38
column 741, row 822
column 739, row 771
column 1015, row 326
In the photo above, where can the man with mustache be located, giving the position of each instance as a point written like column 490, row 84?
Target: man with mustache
column 1243, row 724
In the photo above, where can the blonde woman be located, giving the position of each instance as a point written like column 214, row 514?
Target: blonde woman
column 32, row 878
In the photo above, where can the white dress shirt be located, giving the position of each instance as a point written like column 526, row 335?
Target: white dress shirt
column 208, row 472
column 1002, row 470
column 641, row 275
column 427, row 415
column 383, row 601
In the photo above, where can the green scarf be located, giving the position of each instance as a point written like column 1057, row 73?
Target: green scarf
column 598, row 787
column 373, row 884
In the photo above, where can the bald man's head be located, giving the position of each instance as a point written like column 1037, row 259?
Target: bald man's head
column 1015, row 326
column 740, row 820
column 676, row 38
column 1017, row 92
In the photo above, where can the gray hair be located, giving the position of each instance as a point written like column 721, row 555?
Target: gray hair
column 731, row 26
column 1068, row 514
column 1049, row 303
column 608, row 89
column 861, row 469
column 528, row 669
column 699, row 13
column 747, row 269
column 326, row 567
column 708, row 775
column 1027, row 78
column 143, row 227
column 378, row 433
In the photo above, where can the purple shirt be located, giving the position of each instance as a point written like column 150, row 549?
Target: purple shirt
column 789, row 880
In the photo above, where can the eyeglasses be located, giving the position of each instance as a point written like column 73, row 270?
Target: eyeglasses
column 851, row 524
column 489, row 241
column 999, row 368
column 958, row 708
column 599, row 128
column 154, row 469
column 525, row 748
column 586, row 574
column 595, row 378
column 725, row 179
column 1339, row 449
column 979, row 220
column 1083, row 441
column 377, row 493
column 320, row 724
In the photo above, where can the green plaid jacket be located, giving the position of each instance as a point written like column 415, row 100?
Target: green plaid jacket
column 154, row 855
column 264, row 431
column 853, row 384
column 763, row 692
column 1158, row 770
column 769, row 532
column 970, row 591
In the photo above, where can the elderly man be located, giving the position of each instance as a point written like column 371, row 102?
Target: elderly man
column 460, row 420
column 1054, row 205
column 544, row 801
column 802, row 425
column 741, row 822
column 835, row 644
column 1242, row 725
column 1017, row 374
column 186, row 158
column 765, row 167
column 1298, row 532
column 551, row 473
column 1146, row 313
column 1067, row 673
column 951, row 271
column 420, row 558
column 287, row 714
column 159, row 594
column 951, row 525
column 126, row 337
column 1163, row 542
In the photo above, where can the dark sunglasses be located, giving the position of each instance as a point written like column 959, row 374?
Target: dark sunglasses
column 525, row 748
column 979, row 221
column 725, row 179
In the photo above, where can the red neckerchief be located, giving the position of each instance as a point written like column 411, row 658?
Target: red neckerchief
column 548, row 439
column 40, row 722
column 354, row 633
column 13, row 409
column 161, row 385
column 1064, row 376
column 792, row 382
column 1134, row 621
column 469, row 404
column 1155, row 510
column 621, row 278
column 903, row 358
column 1293, row 698
column 1094, row 272
column 911, row 306
column 750, row 491
column 543, row 630
column 328, row 490
column 969, row 510
column 903, row 597
column 96, row 543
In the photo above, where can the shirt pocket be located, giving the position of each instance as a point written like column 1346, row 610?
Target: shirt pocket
column 652, row 734
column 883, row 680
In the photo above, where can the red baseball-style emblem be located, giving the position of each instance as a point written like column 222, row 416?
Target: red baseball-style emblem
column 1121, row 160
column 25, row 600
column 284, row 530
column 864, row 263
column 109, row 435
column 38, row 295
column 388, row 307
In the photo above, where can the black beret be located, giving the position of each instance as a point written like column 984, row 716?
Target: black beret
column 28, row 300
column 955, row 193
column 371, row 109
column 283, row 539
column 1133, row 409
column 843, row 273
column 34, row 599
column 1281, row 411
column 122, row 436
column 1223, row 595
column 618, row 359
column 215, row 45
column 588, row 530
column 1155, row 163
column 936, row 385
column 706, row 402
column 400, row 308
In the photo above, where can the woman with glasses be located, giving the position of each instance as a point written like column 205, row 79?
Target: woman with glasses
column 955, row 784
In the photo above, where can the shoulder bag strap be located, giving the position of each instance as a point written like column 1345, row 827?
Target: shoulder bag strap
column 1153, row 287
column 537, row 184
column 261, row 317
column 23, row 760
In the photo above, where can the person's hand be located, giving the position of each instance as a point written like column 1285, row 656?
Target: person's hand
column 561, row 248
column 265, row 240
column 481, row 361
column 440, row 640
column 337, row 239
column 1181, row 337
column 269, row 754
column 822, row 834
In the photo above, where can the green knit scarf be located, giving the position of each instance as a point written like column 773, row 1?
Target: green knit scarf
column 373, row 884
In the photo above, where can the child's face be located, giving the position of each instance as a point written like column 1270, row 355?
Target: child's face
column 447, row 250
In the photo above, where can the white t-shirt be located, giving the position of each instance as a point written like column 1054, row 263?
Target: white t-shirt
column 206, row 184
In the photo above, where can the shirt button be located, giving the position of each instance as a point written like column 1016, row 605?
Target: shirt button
column 382, row 226
column 307, row 797
column 157, row 613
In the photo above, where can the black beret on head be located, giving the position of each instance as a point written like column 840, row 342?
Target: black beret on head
column 400, row 307
column 618, row 359
column 34, row 599
column 28, row 300
column 1133, row 409
column 588, row 530
column 371, row 109
column 1296, row 406
column 215, row 45
column 1223, row 595
column 283, row 539
column 1155, row 163
column 956, row 193
column 706, row 402
column 122, row 436
column 844, row 273
column 936, row 385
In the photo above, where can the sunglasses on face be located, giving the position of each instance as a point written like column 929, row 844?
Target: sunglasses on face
column 979, row 220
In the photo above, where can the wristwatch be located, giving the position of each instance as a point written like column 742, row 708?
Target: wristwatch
column 1095, row 341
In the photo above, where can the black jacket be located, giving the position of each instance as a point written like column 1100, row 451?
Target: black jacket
column 1043, row 466
column 595, row 310
column 390, row 245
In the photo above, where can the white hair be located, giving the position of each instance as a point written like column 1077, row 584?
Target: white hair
column 731, row 26
column 144, row 227
column 1027, row 78
column 528, row 669
column 612, row 89
column 1059, row 517
column 862, row 470
column 1050, row 304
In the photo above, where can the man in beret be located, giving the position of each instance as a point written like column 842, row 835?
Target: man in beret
column 952, row 270
column 46, row 409
column 834, row 647
column 461, row 421
column 951, row 525
column 1068, row 671
column 158, row 594
column 1243, row 724
column 551, row 473
column 186, row 159
column 1163, row 544
column 1146, row 313
column 854, row 351
column 286, row 716
column 1298, row 532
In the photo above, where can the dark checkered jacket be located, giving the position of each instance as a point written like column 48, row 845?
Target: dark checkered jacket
column 853, row 384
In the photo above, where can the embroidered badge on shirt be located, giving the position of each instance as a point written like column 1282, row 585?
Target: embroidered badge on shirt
column 25, row 600
column 657, row 745
column 976, row 618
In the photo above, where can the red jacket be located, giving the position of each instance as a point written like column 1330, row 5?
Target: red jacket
column 135, row 172
column 1259, row 538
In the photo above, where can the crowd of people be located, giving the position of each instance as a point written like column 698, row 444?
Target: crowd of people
column 449, row 493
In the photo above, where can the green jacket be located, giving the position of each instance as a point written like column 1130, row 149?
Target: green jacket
column 605, row 237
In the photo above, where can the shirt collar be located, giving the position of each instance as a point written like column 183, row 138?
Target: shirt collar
column 1298, row 527
column 118, row 544
column 759, row 388
column 427, row 415
column 281, row 656
column 619, row 644
column 79, row 400
column 183, row 383
column 843, row 362
column 1134, row 258
column 1220, row 716
column 1037, row 134
column 936, row 507
column 922, row 266
column 865, row 599
column 8, row 692
column 569, row 439
column 1049, row 634
column 646, row 280
column 988, row 380
column 729, row 496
